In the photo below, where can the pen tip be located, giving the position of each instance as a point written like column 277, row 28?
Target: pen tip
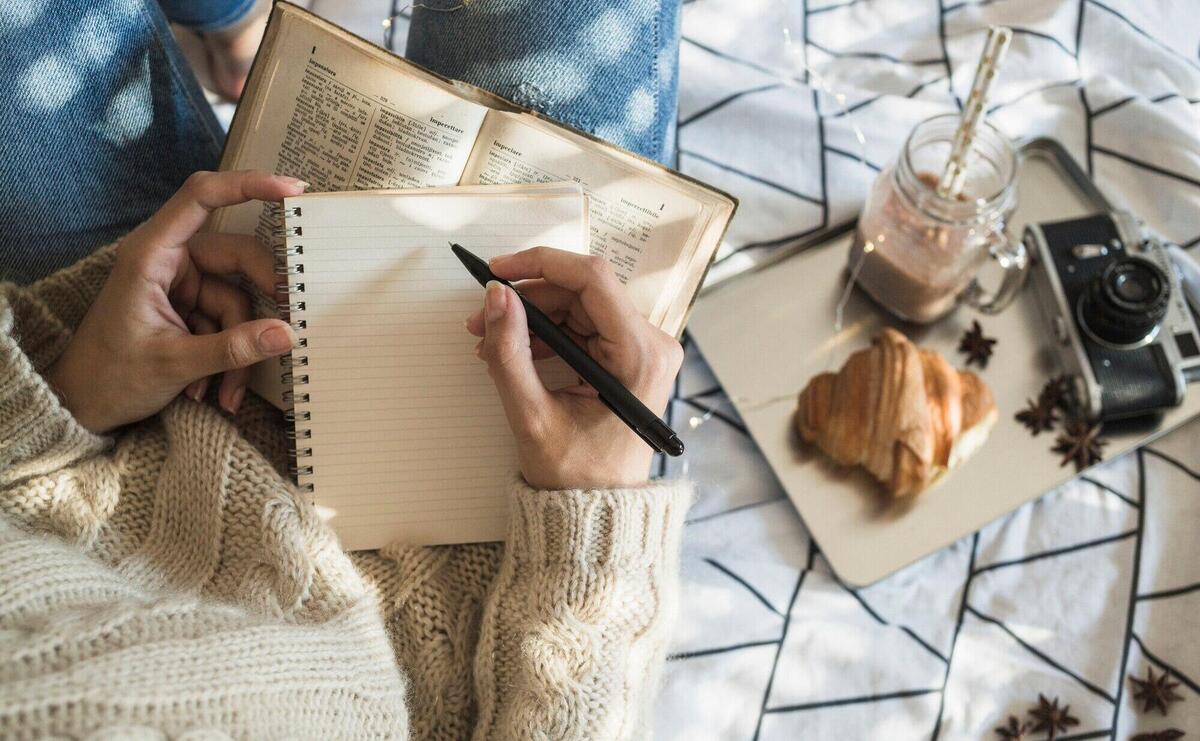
column 674, row 446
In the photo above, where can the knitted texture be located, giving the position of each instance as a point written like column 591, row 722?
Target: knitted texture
column 167, row 582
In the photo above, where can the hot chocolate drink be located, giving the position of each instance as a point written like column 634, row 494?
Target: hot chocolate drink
column 916, row 252
column 915, row 268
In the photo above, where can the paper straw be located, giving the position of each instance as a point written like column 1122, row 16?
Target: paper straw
column 951, row 183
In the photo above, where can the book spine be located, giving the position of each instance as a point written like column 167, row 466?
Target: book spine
column 290, row 268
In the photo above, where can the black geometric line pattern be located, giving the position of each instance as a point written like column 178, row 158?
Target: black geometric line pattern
column 1106, row 733
column 1056, row 552
column 1018, row 31
column 962, row 612
column 714, row 413
column 787, row 621
column 747, row 544
column 1147, row 166
column 727, row 100
column 757, row 594
column 1105, row 487
column 871, row 55
column 879, row 619
column 786, row 76
column 719, row 650
column 1099, row 692
column 1142, row 32
column 1170, row 592
column 1137, row 561
column 1175, row 673
column 748, row 176
column 1173, row 461
column 851, row 701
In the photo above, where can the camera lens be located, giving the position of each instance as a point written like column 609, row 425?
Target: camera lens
column 1127, row 301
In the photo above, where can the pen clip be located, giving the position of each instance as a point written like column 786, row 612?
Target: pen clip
column 653, row 445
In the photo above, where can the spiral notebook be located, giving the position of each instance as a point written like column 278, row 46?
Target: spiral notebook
column 399, row 432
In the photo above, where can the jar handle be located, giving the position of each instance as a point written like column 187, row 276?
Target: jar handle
column 1014, row 260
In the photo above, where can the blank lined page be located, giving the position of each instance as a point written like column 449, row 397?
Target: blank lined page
column 409, row 441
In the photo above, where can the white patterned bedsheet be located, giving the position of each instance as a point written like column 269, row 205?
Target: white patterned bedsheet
column 1067, row 595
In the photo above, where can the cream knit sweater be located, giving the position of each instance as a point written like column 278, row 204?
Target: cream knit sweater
column 167, row 582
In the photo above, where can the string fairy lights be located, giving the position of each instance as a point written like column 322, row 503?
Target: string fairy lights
column 794, row 52
column 398, row 11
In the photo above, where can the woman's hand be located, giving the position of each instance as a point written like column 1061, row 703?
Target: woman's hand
column 569, row 438
column 167, row 319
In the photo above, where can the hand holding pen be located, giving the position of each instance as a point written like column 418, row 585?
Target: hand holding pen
column 569, row 438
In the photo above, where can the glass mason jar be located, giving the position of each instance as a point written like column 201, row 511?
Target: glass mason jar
column 919, row 251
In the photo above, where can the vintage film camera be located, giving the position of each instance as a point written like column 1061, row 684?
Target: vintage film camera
column 1122, row 328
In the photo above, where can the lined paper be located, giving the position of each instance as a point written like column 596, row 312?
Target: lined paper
column 409, row 440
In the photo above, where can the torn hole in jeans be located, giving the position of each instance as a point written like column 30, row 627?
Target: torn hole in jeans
column 530, row 95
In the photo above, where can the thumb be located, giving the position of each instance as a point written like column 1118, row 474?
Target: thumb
column 506, row 349
column 237, row 347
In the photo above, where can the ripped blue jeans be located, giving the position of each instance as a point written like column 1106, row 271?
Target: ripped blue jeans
column 104, row 120
column 608, row 67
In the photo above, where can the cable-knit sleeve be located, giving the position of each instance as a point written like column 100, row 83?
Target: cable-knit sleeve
column 574, row 632
column 37, row 433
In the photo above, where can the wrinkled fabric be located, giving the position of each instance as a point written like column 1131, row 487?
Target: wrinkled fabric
column 102, row 121
column 607, row 67
column 1068, row 595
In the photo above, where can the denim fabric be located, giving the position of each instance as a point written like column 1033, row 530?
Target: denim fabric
column 102, row 122
column 605, row 66
column 206, row 15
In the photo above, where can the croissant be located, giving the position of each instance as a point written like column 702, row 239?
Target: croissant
column 901, row 412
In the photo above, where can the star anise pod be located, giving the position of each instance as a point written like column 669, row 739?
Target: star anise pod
column 1155, row 691
column 1013, row 729
column 1080, row 443
column 1056, row 393
column 1169, row 734
column 977, row 348
column 1051, row 718
column 1038, row 416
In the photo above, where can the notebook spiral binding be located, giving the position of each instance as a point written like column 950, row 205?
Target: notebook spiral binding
column 287, row 267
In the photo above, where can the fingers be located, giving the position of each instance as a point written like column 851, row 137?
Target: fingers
column 230, row 307
column 537, row 348
column 182, row 293
column 240, row 343
column 601, row 295
column 510, row 362
column 560, row 304
column 199, row 324
column 185, row 212
column 233, row 348
column 227, row 254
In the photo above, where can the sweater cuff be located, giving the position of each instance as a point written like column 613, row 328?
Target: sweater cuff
column 38, row 434
column 597, row 528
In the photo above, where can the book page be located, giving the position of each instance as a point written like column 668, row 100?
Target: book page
column 340, row 114
column 331, row 110
column 648, row 224
column 408, row 439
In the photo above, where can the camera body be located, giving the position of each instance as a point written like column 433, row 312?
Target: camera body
column 1122, row 330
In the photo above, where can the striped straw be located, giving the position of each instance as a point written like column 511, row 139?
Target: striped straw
column 973, row 114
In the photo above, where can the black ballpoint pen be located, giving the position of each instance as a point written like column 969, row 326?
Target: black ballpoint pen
column 612, row 392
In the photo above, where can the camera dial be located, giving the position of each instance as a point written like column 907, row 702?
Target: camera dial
column 1126, row 303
